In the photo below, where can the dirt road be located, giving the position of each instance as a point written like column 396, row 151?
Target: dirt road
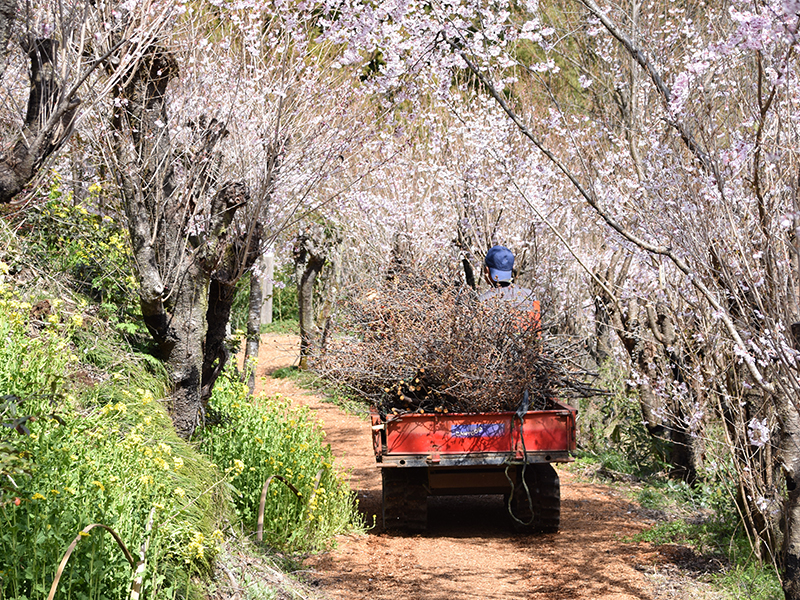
column 468, row 551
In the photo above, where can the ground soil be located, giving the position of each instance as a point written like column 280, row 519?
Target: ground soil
column 468, row 550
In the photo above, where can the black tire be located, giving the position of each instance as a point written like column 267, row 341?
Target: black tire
column 542, row 513
column 405, row 498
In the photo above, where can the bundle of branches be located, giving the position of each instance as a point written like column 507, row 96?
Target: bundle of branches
column 433, row 347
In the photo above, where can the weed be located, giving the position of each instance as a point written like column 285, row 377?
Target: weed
column 261, row 437
column 100, row 454
column 751, row 581
column 337, row 395
column 284, row 326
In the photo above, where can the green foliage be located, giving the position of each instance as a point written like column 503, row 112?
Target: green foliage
column 751, row 581
column 91, row 246
column 284, row 296
column 111, row 456
column 285, row 326
column 260, row 437
column 13, row 466
column 612, row 429
column 241, row 304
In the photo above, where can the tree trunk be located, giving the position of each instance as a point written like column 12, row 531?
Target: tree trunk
column 789, row 417
column 185, row 359
column 48, row 119
column 312, row 247
column 175, row 264
column 790, row 442
column 305, row 296
column 215, row 353
column 253, row 326
column 8, row 14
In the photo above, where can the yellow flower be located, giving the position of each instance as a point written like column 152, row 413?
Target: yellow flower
column 99, row 485
column 77, row 321
column 178, row 462
column 196, row 548
column 164, row 448
column 55, row 492
column 37, row 496
column 238, row 466
column 84, row 534
column 180, row 492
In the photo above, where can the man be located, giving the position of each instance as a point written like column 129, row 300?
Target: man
column 498, row 270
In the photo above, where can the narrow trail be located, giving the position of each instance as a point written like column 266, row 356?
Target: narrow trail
column 468, row 550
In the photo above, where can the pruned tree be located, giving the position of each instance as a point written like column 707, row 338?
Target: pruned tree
column 315, row 246
column 65, row 78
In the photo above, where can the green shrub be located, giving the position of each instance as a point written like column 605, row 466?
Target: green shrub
column 612, row 429
column 90, row 245
column 260, row 437
column 104, row 454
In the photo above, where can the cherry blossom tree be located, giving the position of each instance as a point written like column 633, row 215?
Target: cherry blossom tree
column 219, row 147
column 677, row 129
column 54, row 63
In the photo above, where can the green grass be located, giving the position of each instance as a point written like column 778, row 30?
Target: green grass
column 335, row 394
column 287, row 326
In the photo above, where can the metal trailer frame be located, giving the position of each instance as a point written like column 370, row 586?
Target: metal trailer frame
column 422, row 454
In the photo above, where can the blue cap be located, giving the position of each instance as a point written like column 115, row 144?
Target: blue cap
column 500, row 261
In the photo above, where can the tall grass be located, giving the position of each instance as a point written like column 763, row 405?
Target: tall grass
column 99, row 454
column 260, row 437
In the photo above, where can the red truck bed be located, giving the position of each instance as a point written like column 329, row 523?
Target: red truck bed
column 462, row 439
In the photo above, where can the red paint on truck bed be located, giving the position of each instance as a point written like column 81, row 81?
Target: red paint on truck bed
column 467, row 433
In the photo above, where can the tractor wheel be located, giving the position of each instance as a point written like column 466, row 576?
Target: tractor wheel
column 405, row 498
column 542, row 513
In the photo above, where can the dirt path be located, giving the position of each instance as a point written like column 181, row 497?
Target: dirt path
column 468, row 551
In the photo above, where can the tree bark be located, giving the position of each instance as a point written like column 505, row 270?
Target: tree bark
column 256, row 301
column 8, row 14
column 311, row 268
column 238, row 255
column 48, row 119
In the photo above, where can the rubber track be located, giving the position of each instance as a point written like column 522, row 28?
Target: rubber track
column 405, row 498
column 545, row 491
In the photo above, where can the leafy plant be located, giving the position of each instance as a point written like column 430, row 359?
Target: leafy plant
column 88, row 243
column 262, row 437
column 612, row 429
column 13, row 464
column 100, row 454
